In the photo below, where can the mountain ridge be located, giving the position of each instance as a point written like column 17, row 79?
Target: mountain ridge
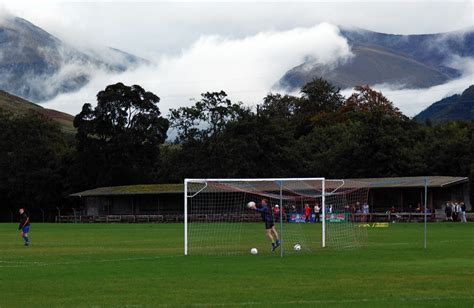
column 455, row 107
column 430, row 53
column 38, row 66
column 19, row 106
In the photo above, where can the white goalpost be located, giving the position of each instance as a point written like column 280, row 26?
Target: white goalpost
column 218, row 221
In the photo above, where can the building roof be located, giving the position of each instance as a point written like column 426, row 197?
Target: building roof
column 418, row 181
column 395, row 182
column 145, row 189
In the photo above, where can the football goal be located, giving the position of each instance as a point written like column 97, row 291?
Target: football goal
column 308, row 214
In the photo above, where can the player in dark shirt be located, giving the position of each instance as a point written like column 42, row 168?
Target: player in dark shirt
column 24, row 226
column 267, row 217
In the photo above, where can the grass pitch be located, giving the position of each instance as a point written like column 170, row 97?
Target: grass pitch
column 142, row 265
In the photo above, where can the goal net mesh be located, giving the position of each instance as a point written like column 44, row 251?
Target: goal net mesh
column 219, row 221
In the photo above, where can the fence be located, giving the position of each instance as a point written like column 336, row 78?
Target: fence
column 179, row 218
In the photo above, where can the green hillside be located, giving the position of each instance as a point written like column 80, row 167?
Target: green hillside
column 17, row 105
column 456, row 107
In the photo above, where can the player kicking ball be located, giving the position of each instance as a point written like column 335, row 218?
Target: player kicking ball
column 267, row 217
column 24, row 226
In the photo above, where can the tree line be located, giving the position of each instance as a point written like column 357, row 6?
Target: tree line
column 126, row 140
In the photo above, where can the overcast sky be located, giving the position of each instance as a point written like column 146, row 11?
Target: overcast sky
column 167, row 27
column 200, row 46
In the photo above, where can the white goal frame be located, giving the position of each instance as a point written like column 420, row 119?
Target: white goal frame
column 281, row 180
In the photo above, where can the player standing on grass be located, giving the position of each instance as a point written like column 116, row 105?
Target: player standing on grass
column 267, row 217
column 24, row 226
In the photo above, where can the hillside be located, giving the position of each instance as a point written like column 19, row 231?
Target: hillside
column 37, row 66
column 408, row 61
column 17, row 105
column 456, row 107
column 370, row 65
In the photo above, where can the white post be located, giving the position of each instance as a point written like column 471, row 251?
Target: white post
column 323, row 204
column 426, row 209
column 281, row 218
column 186, row 217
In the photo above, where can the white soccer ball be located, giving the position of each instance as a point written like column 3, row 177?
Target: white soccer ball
column 254, row 251
column 297, row 247
column 251, row 204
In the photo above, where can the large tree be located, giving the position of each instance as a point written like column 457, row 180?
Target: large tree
column 118, row 141
column 32, row 152
column 206, row 118
column 215, row 136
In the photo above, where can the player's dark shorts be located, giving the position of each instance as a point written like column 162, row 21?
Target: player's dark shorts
column 25, row 229
column 269, row 224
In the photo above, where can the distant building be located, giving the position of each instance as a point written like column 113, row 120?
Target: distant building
column 152, row 199
column 406, row 193
column 166, row 201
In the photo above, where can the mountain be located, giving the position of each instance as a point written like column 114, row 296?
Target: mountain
column 38, row 66
column 18, row 105
column 456, row 107
column 408, row 61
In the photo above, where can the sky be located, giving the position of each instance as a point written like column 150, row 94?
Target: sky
column 241, row 47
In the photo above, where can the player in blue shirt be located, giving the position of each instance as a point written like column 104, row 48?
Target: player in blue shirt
column 24, row 226
column 267, row 217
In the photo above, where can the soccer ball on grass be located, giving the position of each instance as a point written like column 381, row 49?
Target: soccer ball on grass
column 254, row 251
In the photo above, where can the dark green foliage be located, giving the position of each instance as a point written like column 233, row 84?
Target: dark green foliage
column 118, row 142
column 32, row 169
column 317, row 134
column 121, row 142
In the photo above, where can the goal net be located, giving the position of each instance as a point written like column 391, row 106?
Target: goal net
column 309, row 213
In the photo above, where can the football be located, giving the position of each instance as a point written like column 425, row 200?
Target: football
column 251, row 204
column 254, row 251
column 297, row 247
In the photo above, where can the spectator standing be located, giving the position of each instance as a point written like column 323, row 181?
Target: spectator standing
column 316, row 213
column 307, row 212
column 276, row 211
column 463, row 213
column 448, row 211
column 365, row 208
column 455, row 211
column 365, row 211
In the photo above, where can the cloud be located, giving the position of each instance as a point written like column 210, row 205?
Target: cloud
column 245, row 68
column 413, row 101
column 169, row 26
column 248, row 67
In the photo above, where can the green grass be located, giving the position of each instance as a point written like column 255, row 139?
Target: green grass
column 142, row 265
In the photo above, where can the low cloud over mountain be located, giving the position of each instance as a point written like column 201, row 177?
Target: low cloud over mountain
column 411, row 70
column 38, row 66
column 403, row 61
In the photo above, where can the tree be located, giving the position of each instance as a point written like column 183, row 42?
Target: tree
column 32, row 152
column 319, row 99
column 365, row 137
column 206, row 118
column 200, row 129
column 118, row 141
column 366, row 100
column 320, row 96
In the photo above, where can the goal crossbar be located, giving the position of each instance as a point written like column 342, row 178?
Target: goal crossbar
column 252, row 180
